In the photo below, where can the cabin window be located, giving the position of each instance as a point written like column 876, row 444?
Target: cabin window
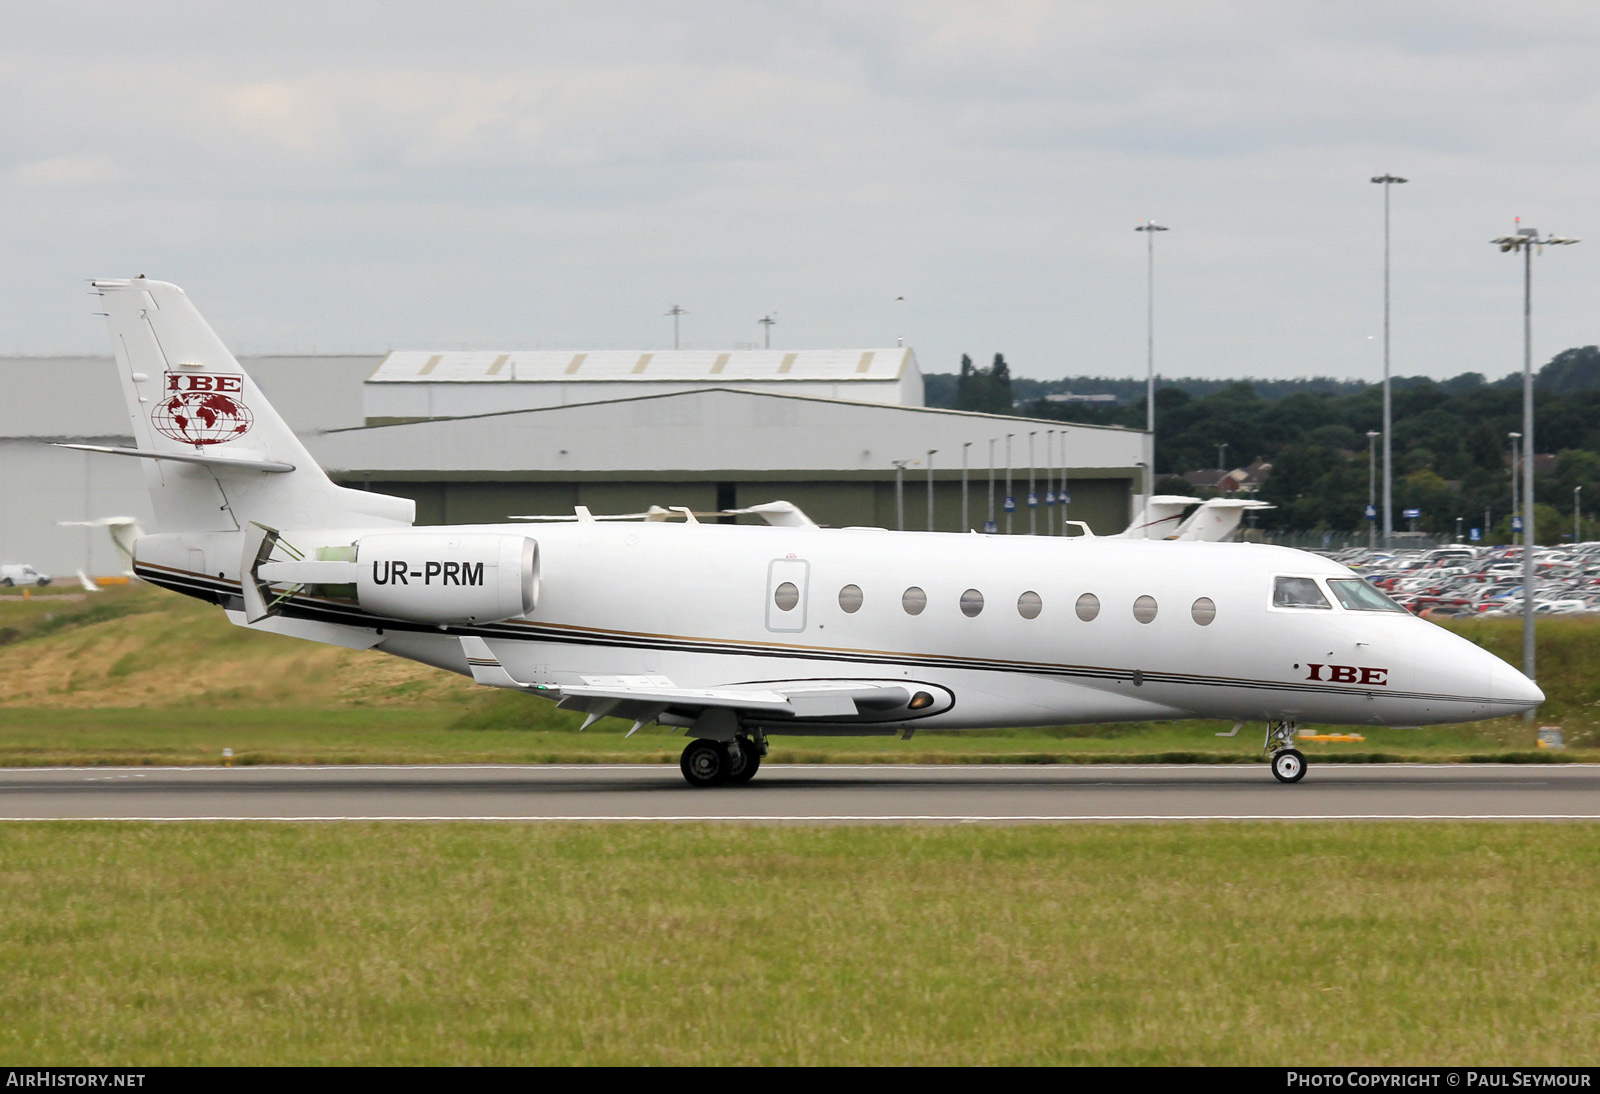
column 913, row 600
column 1029, row 605
column 1204, row 611
column 1088, row 607
column 1144, row 609
column 786, row 596
column 1360, row 595
column 850, row 598
column 971, row 603
column 1298, row 592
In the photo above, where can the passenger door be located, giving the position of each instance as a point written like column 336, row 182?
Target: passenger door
column 788, row 580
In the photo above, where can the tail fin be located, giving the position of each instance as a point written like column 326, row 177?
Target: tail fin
column 217, row 455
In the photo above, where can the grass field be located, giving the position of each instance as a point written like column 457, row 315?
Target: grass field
column 415, row 944
column 135, row 675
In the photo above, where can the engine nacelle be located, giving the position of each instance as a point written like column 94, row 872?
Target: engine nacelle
column 444, row 577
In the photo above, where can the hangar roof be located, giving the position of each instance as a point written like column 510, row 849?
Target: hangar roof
column 657, row 366
column 714, row 429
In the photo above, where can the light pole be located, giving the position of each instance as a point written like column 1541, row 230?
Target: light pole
column 766, row 321
column 1516, row 466
column 1576, row 490
column 1222, row 456
column 1526, row 240
column 1150, row 228
column 931, row 453
column 1049, row 481
column 675, row 311
column 1387, row 180
column 966, row 524
column 1033, row 494
column 989, row 525
column 900, row 494
column 1372, row 491
column 1011, row 501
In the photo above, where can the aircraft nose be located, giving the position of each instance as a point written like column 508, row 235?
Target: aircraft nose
column 1506, row 683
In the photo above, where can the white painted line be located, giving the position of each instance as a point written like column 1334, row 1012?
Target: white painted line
column 1247, row 767
column 906, row 817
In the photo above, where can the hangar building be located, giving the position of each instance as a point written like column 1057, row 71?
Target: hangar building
column 469, row 442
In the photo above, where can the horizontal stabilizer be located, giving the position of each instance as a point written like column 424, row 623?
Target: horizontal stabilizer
column 269, row 466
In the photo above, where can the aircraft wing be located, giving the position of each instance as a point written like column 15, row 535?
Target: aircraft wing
column 643, row 698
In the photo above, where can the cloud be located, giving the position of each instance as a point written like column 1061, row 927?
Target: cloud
column 559, row 173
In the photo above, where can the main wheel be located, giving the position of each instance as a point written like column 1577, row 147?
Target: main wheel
column 749, row 762
column 1288, row 766
column 706, row 763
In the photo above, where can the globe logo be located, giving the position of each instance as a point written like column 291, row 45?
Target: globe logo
column 201, row 409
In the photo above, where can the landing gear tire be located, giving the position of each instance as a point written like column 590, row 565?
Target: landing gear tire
column 745, row 767
column 1288, row 766
column 706, row 763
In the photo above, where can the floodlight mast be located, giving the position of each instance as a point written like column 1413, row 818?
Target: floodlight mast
column 675, row 311
column 1525, row 241
column 1387, row 180
column 1150, row 228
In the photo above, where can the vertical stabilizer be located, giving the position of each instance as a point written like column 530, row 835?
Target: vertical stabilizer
column 188, row 400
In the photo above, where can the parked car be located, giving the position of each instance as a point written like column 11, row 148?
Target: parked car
column 21, row 575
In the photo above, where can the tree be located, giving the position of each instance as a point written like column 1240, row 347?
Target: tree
column 1571, row 370
column 999, row 393
column 967, row 395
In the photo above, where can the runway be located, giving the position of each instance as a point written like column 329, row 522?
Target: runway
column 784, row 793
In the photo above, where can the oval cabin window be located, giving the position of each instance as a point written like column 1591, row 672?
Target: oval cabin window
column 786, row 596
column 1029, row 605
column 1144, row 609
column 1088, row 607
column 971, row 603
column 850, row 598
column 913, row 600
column 1204, row 611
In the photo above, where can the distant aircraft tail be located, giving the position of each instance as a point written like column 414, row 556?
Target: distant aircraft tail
column 1217, row 519
column 216, row 454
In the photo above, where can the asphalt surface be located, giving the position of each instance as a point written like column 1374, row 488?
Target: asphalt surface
column 804, row 793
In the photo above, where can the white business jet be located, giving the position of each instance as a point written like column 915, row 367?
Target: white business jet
column 733, row 633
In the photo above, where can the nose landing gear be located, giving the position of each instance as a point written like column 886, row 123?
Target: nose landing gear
column 1288, row 765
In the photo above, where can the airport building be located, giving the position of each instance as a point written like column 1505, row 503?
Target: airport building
column 483, row 436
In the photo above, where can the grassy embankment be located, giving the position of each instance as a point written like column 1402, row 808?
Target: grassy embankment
column 139, row 676
column 1262, row 944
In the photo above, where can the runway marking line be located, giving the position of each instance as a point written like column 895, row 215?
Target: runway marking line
column 754, row 818
column 1237, row 768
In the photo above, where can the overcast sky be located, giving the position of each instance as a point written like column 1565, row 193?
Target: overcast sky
column 365, row 176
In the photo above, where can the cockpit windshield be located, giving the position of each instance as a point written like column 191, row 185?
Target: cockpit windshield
column 1298, row 592
column 1358, row 595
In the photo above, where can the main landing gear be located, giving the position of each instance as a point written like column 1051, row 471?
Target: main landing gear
column 1288, row 765
column 723, row 763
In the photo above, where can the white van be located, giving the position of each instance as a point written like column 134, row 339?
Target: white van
column 21, row 575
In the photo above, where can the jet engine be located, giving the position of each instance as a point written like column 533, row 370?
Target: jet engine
column 447, row 577
column 425, row 577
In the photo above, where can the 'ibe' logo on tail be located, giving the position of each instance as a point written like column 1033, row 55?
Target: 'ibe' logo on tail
column 201, row 408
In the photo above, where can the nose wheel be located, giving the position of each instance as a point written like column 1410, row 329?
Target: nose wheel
column 1288, row 764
